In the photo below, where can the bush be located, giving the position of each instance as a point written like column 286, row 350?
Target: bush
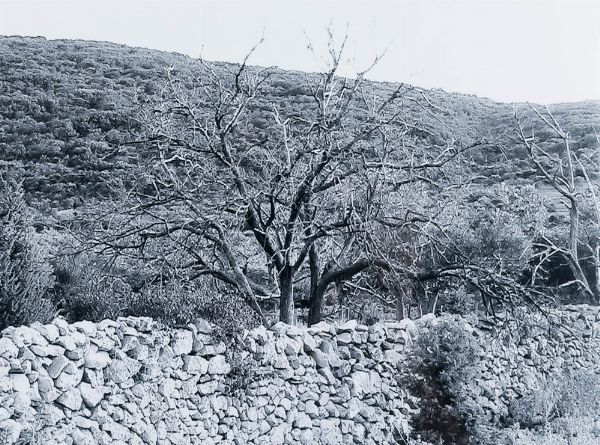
column 446, row 360
column 245, row 373
column 181, row 303
column 458, row 300
column 94, row 288
column 577, row 431
column 564, row 410
column 88, row 295
column 26, row 277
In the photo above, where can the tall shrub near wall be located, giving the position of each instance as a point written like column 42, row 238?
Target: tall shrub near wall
column 444, row 364
column 26, row 277
column 480, row 381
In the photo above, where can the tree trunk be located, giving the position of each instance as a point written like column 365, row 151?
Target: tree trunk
column 329, row 276
column 574, row 261
column 595, row 278
column 316, row 307
column 315, row 312
column 240, row 278
column 400, row 307
column 286, row 296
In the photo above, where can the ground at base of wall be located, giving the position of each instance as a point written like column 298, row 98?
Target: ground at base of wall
column 563, row 431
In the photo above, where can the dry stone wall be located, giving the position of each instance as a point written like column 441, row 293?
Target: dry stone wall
column 132, row 381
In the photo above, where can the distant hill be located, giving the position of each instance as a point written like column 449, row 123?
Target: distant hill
column 67, row 111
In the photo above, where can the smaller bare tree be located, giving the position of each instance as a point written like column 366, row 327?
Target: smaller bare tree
column 569, row 174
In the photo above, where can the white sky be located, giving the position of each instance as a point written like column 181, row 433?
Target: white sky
column 509, row 50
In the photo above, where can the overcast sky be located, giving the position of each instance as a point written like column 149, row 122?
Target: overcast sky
column 509, row 50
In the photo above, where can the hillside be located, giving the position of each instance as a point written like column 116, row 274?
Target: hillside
column 128, row 209
column 67, row 110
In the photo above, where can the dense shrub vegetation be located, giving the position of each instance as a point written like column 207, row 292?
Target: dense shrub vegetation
column 563, row 411
column 26, row 276
column 445, row 366
column 67, row 109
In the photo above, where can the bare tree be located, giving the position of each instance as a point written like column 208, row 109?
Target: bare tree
column 309, row 189
column 568, row 174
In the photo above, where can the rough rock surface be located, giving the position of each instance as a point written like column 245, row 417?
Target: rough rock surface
column 133, row 381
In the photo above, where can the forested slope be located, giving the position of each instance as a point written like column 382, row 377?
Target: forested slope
column 67, row 111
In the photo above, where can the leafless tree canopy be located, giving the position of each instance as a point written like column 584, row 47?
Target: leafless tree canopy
column 268, row 211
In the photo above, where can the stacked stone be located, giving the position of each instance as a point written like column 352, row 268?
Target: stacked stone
column 330, row 384
column 131, row 381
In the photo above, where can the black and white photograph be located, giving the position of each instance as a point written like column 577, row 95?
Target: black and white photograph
column 298, row 222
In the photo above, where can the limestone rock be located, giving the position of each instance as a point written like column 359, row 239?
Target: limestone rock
column 7, row 348
column 57, row 366
column 49, row 332
column 10, row 430
column 321, row 359
column 91, row 396
column 348, row 326
column 195, row 364
column 218, row 365
column 97, row 359
column 203, row 326
column 119, row 371
column 86, row 327
column 71, row 399
column 167, row 387
column 345, row 338
column 183, row 341
column 20, row 382
column 277, row 436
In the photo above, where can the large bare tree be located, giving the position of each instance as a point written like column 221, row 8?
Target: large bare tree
column 267, row 208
